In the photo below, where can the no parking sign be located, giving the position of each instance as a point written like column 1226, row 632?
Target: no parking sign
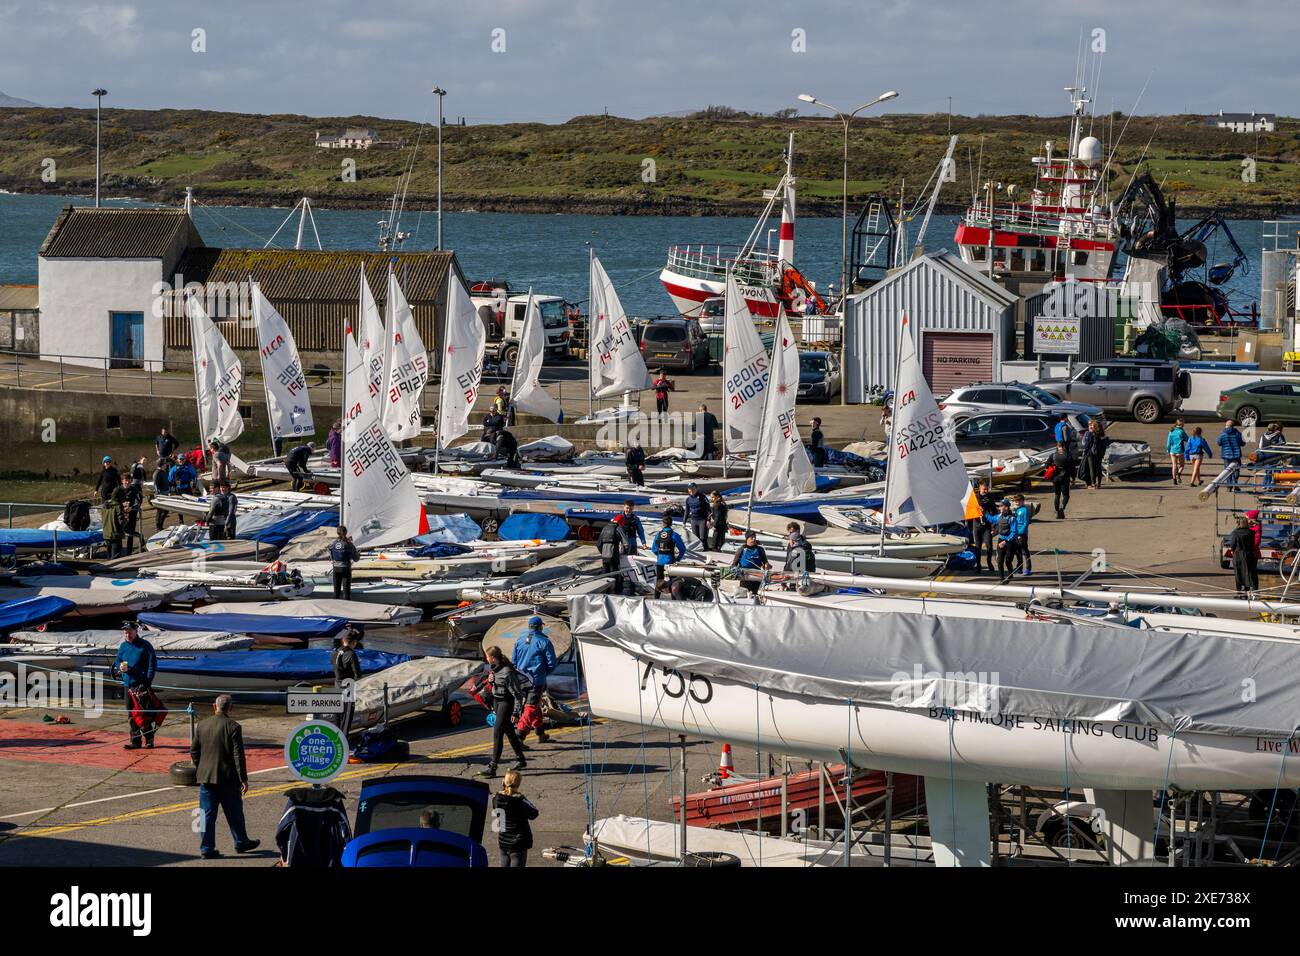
column 316, row 751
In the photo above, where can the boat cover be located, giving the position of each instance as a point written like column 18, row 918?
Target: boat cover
column 304, row 627
column 284, row 665
column 455, row 528
column 278, row 528
column 358, row 612
column 26, row 612
column 420, row 679
column 550, row 448
column 527, row 526
column 1181, row 682
column 38, row 538
column 161, row 640
column 445, row 549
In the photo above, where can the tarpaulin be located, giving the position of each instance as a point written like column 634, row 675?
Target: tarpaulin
column 304, row 627
column 27, row 612
column 278, row 528
column 457, row 527
column 526, row 526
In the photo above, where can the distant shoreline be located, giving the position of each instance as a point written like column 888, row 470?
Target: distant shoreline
column 574, row 206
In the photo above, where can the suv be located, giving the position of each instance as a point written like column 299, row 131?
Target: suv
column 713, row 314
column 819, row 376
column 1147, row 389
column 675, row 343
column 1005, row 431
column 980, row 397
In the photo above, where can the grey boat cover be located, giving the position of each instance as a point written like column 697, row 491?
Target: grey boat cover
column 357, row 612
column 412, row 683
column 1183, row 682
column 161, row 640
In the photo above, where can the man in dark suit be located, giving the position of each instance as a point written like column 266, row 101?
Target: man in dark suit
column 218, row 753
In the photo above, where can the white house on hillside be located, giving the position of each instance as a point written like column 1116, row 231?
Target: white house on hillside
column 1251, row 122
column 354, row 137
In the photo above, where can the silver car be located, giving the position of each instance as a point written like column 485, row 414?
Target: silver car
column 968, row 400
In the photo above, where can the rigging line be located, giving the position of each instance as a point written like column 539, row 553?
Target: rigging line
column 1164, row 793
column 1127, row 120
column 217, row 215
column 645, row 777
column 1069, row 830
column 758, row 766
column 952, row 779
column 1273, row 803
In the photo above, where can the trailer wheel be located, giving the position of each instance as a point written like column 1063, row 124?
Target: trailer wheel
column 710, row 858
column 453, row 713
column 490, row 525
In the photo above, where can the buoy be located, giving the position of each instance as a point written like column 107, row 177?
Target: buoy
column 725, row 763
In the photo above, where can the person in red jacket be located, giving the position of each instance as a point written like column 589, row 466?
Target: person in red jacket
column 662, row 386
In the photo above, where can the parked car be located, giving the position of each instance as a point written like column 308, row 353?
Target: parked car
column 1147, row 389
column 981, row 397
column 675, row 343
column 419, row 821
column 819, row 376
column 1258, row 402
column 713, row 314
column 1003, row 431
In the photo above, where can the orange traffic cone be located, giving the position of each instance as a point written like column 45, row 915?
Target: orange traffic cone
column 725, row 763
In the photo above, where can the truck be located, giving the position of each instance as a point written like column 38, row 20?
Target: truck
column 503, row 317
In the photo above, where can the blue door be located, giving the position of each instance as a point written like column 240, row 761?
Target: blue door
column 126, row 345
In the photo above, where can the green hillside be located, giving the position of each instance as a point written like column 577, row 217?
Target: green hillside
column 702, row 164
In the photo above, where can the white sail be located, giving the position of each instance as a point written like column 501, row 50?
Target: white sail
column 218, row 377
column 379, row 504
column 407, row 367
column 287, row 402
column 926, row 481
column 782, row 469
column 462, row 364
column 745, row 372
column 614, row 356
column 371, row 330
column 526, row 392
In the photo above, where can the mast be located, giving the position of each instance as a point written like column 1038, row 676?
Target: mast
column 591, row 299
column 514, row 374
column 261, row 359
column 892, row 453
column 758, row 449
column 726, row 292
column 194, row 358
column 343, row 424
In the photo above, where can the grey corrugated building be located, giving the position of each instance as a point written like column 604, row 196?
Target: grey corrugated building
column 965, row 324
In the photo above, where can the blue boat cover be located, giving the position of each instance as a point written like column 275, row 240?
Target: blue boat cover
column 305, row 664
column 278, row 528
column 36, row 538
column 443, row 550
column 271, row 624
column 28, row 612
column 454, row 528
column 526, row 526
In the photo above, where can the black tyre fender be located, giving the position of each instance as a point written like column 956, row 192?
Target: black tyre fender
column 183, row 773
column 710, row 858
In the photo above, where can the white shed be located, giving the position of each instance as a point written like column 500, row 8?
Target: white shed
column 966, row 325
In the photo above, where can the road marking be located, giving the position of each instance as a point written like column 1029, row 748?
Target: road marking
column 361, row 773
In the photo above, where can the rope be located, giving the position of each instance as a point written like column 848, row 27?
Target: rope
column 1164, row 793
column 645, row 777
column 1273, row 803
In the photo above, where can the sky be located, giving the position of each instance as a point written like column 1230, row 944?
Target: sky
column 549, row 60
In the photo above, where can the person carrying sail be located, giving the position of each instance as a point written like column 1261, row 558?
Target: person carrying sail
column 668, row 548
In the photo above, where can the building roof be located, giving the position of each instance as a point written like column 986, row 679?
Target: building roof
column 1244, row 117
column 19, row 298
column 303, row 275
column 84, row 232
column 951, row 267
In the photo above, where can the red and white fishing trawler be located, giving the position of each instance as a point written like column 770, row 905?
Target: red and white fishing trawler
column 697, row 272
column 1064, row 229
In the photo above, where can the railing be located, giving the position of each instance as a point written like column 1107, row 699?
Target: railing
column 713, row 262
column 1019, row 218
column 34, row 506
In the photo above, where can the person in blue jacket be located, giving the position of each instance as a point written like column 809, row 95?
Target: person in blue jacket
column 136, row 663
column 696, row 507
column 183, row 477
column 1064, row 433
column 751, row 557
column 1197, row 450
column 534, row 657
column 1230, row 442
column 631, row 525
column 1025, row 558
column 668, row 548
column 1176, row 446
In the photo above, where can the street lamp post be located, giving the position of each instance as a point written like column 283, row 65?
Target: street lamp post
column 99, row 95
column 846, row 119
column 439, row 92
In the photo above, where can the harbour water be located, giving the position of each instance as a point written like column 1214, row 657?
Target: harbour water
column 548, row 252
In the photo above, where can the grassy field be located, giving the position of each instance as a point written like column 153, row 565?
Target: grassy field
column 697, row 164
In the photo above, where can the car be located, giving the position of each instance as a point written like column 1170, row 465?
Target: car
column 1147, row 389
column 712, row 315
column 419, row 821
column 981, row 397
column 1269, row 400
column 819, row 376
column 1004, row 431
column 675, row 343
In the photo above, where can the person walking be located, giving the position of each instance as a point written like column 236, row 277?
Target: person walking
column 1272, row 438
column 981, row 528
column 718, row 510
column 505, row 691
column 799, row 555
column 1023, row 516
column 296, row 462
column 1230, row 444
column 512, row 814
column 1093, row 452
column 631, row 525
column 612, row 545
column 534, row 658
column 696, row 512
column 1062, row 468
column 1176, row 446
column 662, row 387
column 1245, row 559
column 634, row 462
column 708, row 427
column 108, row 480
column 1065, row 432
column 221, row 513
column 334, row 444
column 346, row 663
column 1197, row 450
column 817, row 444
column 135, row 664
column 342, row 555
column 222, row 776
column 166, row 443
column 1005, row 539
column 750, row 557
column 668, row 549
